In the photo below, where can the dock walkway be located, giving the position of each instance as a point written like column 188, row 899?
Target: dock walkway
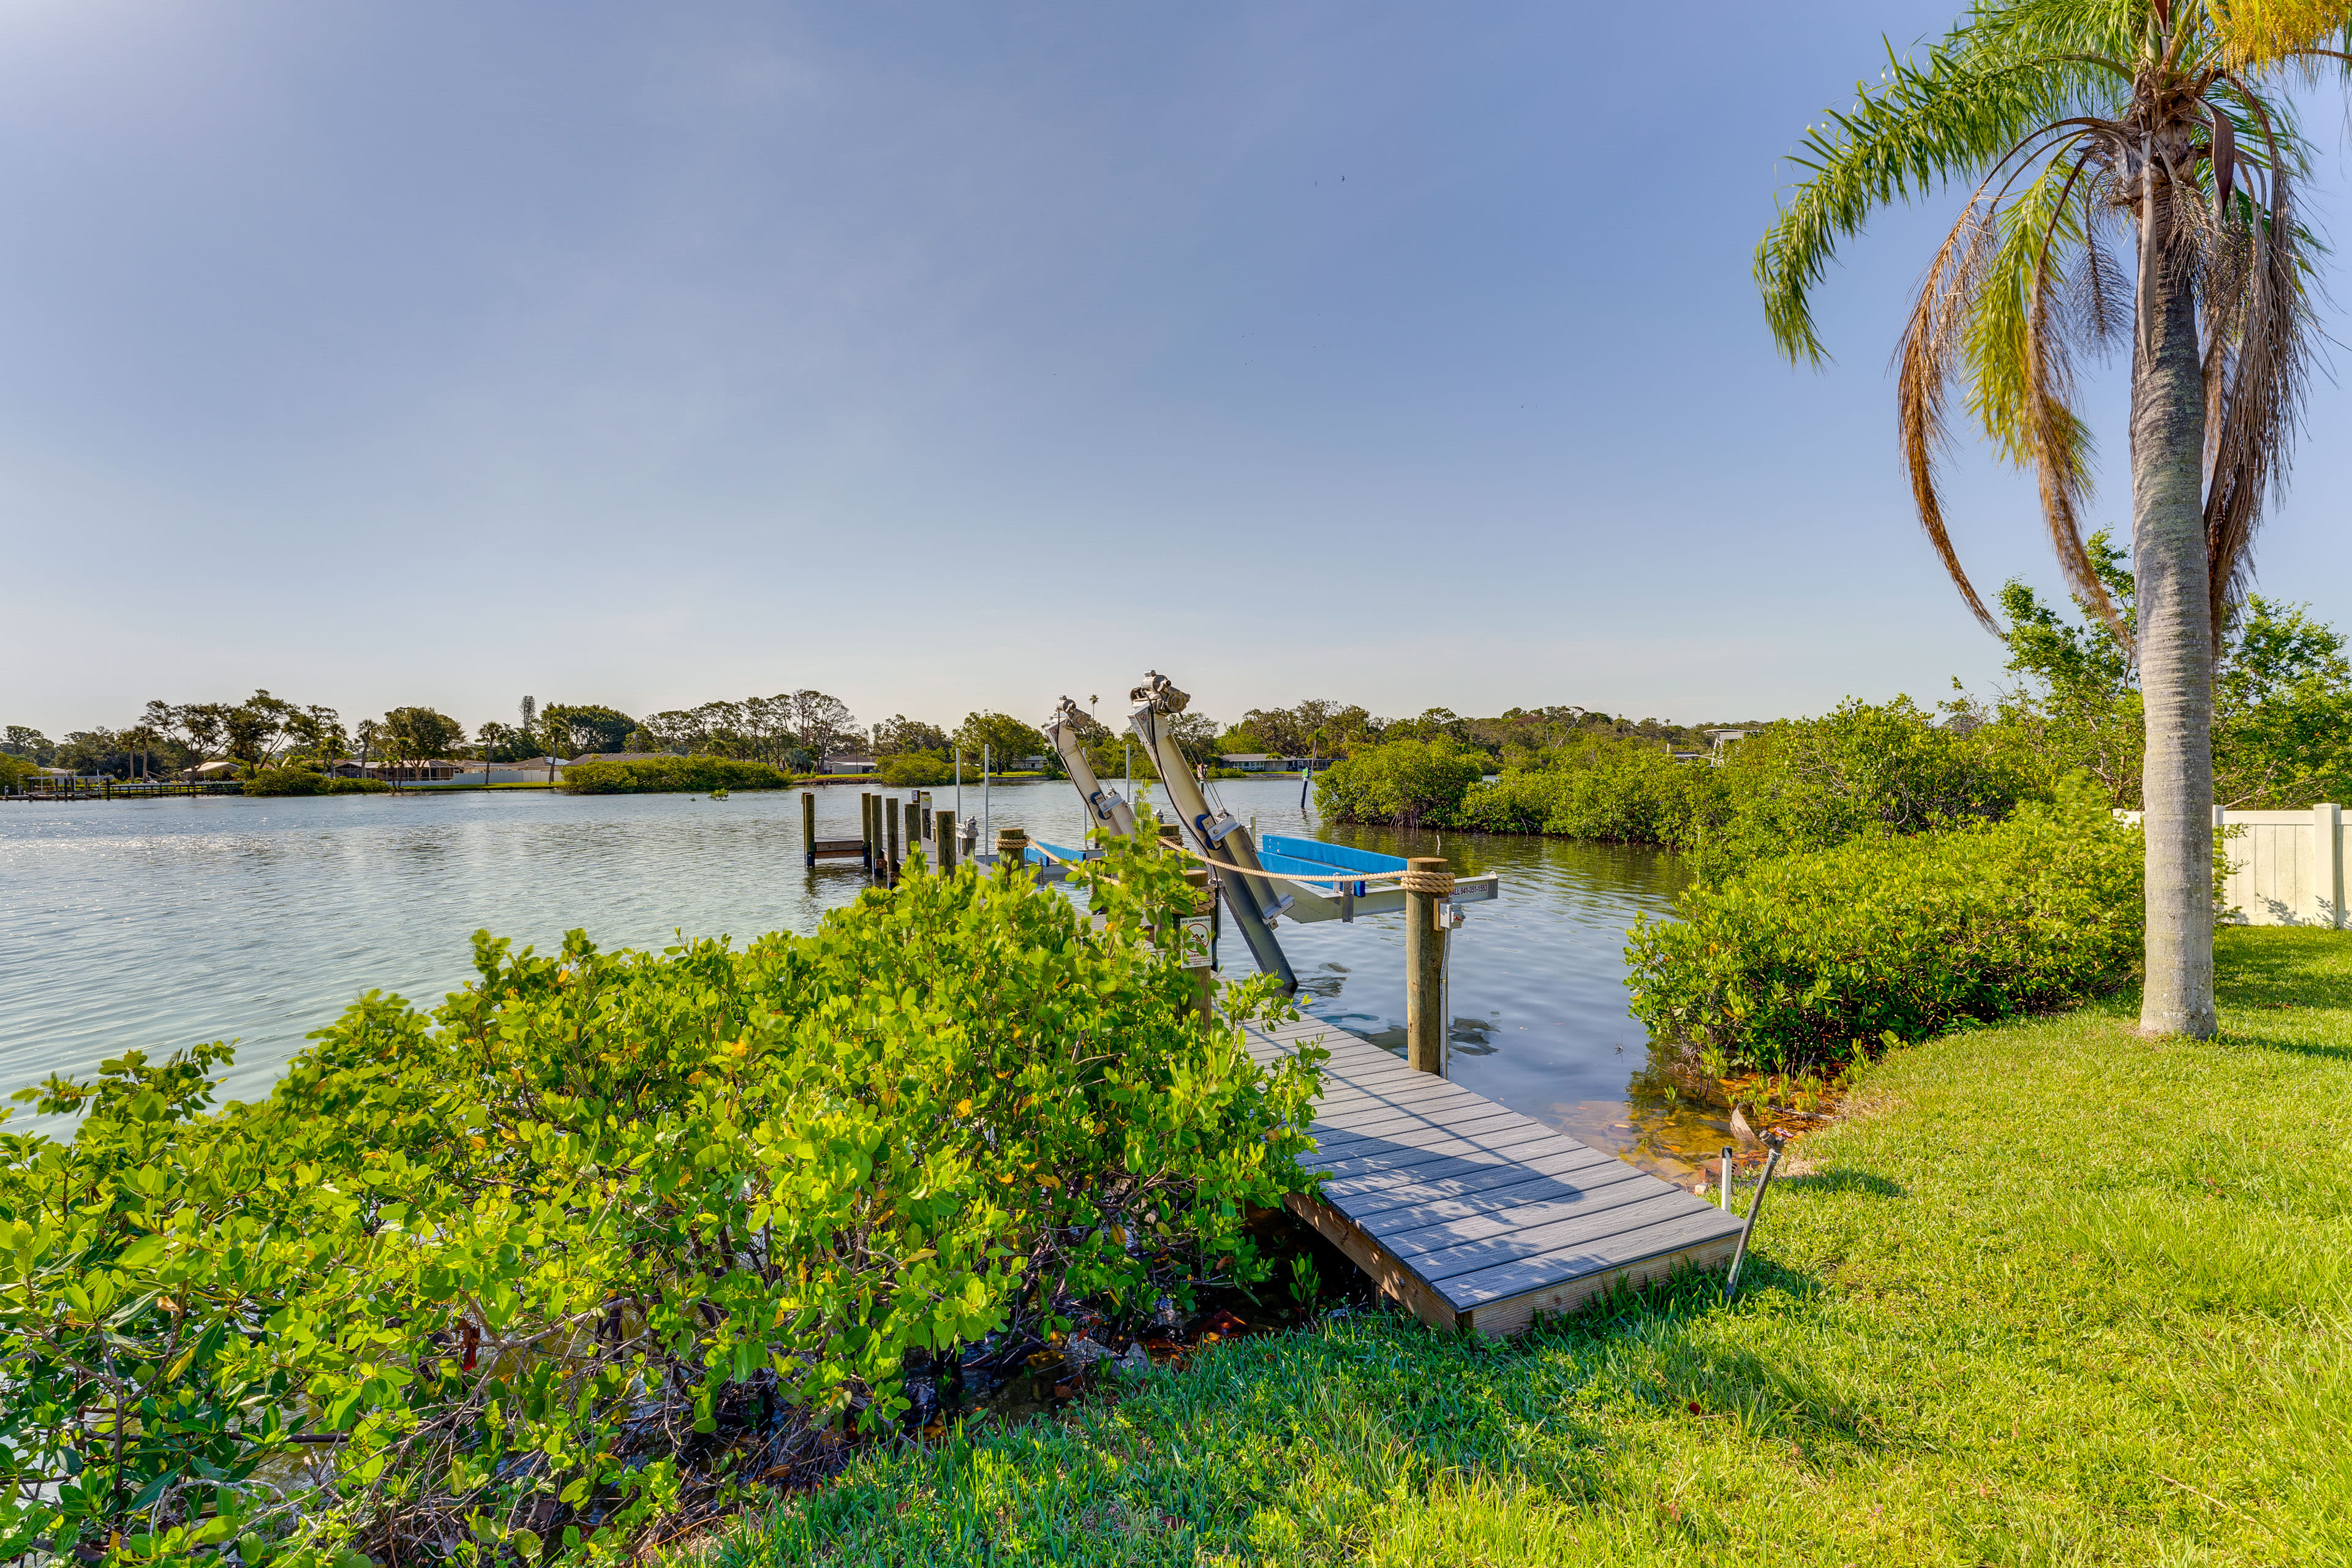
column 1470, row 1215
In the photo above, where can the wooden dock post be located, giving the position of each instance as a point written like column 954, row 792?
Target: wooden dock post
column 890, row 830
column 808, row 824
column 1426, row 882
column 865, row 825
column 945, row 837
column 1012, row 851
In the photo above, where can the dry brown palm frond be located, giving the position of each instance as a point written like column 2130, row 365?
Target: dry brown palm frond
column 1925, row 361
column 2102, row 299
column 2055, row 434
column 2263, row 390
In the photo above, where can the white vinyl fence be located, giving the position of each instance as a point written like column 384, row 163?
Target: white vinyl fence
column 2287, row 867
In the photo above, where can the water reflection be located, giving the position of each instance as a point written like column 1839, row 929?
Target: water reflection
column 159, row 924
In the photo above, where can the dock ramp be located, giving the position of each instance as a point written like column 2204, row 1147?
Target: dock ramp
column 1472, row 1216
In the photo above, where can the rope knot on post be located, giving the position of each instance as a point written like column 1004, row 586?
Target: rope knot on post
column 1420, row 881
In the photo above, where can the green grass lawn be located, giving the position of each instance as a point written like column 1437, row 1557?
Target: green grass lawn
column 2054, row 1294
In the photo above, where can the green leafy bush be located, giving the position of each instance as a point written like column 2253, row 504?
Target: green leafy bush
column 1863, row 770
column 914, row 770
column 303, row 781
column 653, row 776
column 1407, row 782
column 608, row 1238
column 15, row 770
column 1813, row 957
column 1628, row 792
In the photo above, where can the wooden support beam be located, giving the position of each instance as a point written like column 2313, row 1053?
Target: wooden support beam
column 946, row 836
column 1388, row 1275
column 808, row 824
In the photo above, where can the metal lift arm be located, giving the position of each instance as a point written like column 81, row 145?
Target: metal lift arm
column 1104, row 805
column 1220, row 839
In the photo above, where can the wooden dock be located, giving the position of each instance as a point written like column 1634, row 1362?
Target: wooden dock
column 1470, row 1215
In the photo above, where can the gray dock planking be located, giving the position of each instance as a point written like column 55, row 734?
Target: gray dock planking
column 1471, row 1215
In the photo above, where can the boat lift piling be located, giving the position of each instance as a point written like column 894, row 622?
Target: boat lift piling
column 1158, row 700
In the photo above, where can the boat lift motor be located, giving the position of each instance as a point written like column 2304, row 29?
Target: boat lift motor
column 1224, row 840
column 1103, row 803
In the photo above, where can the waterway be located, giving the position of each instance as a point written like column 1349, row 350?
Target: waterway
column 157, row 924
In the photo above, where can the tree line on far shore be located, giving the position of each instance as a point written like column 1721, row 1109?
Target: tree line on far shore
column 2283, row 740
column 795, row 732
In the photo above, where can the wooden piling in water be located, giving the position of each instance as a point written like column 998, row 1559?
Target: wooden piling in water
column 1012, row 851
column 1426, row 882
column 808, row 824
column 865, row 825
column 945, row 837
column 890, row 830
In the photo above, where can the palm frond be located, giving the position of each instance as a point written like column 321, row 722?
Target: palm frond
column 2259, row 310
column 1917, row 128
column 2075, row 119
column 2251, row 33
column 2022, row 342
column 1927, row 365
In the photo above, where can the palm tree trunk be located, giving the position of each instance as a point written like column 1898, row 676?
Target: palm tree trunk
column 2176, row 654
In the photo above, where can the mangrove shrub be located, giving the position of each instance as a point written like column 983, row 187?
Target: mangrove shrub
column 307, row 781
column 608, row 1238
column 914, row 770
column 1812, row 958
column 655, row 776
column 1408, row 784
column 1628, row 791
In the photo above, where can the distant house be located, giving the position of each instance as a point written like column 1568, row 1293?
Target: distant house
column 224, row 768
column 850, row 765
column 434, row 770
column 1725, row 740
column 1267, row 763
column 530, row 770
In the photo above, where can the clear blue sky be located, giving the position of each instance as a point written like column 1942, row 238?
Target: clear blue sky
column 958, row 356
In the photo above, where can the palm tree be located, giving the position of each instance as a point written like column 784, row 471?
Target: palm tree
column 2136, row 168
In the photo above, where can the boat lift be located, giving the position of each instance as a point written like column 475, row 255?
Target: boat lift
column 1303, row 878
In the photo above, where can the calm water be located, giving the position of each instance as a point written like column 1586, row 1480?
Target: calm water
column 155, row 924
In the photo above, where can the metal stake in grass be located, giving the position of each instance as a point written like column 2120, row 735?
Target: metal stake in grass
column 1774, row 1141
column 1725, row 1194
